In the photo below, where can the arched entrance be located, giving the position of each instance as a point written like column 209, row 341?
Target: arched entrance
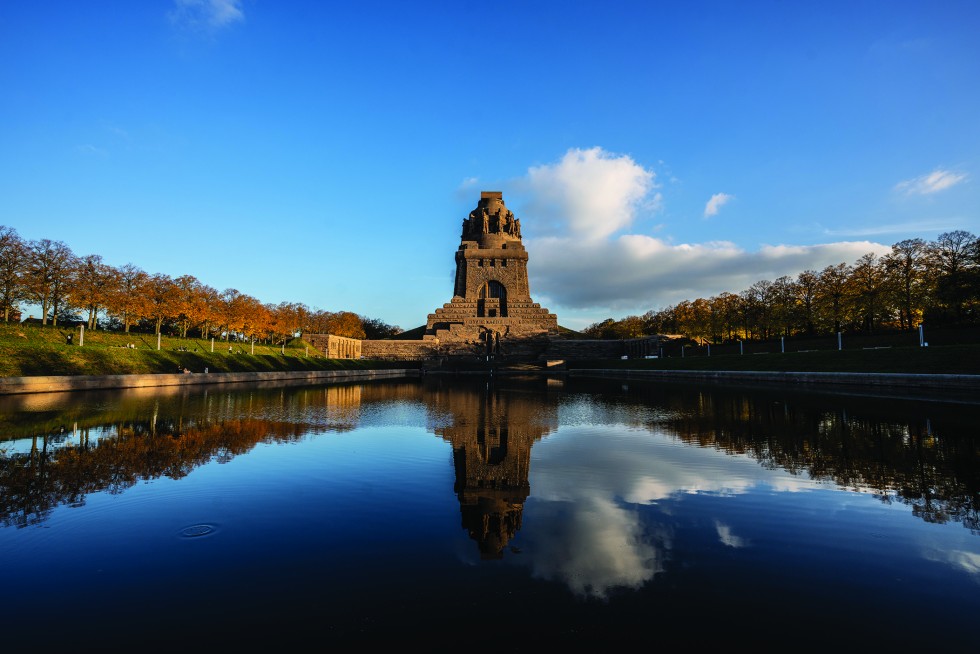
column 492, row 301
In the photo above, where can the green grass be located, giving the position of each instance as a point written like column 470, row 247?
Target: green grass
column 949, row 359
column 28, row 350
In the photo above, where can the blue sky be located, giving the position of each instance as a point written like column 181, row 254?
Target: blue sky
column 327, row 152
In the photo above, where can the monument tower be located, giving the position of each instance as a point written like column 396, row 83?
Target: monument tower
column 491, row 296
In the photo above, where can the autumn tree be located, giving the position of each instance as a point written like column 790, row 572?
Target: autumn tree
column 128, row 299
column 94, row 284
column 50, row 265
column 257, row 317
column 162, row 299
column 242, row 314
column 345, row 323
column 187, row 302
column 207, row 309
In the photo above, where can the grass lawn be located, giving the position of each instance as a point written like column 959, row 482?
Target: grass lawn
column 28, row 350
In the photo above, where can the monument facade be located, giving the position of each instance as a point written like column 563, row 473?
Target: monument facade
column 491, row 297
column 491, row 314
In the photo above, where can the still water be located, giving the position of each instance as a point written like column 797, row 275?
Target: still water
column 458, row 513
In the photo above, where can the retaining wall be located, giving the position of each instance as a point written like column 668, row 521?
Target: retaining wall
column 44, row 384
column 866, row 379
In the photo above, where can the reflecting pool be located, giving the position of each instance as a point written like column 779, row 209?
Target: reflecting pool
column 505, row 514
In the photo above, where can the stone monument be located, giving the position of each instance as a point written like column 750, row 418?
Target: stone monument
column 491, row 307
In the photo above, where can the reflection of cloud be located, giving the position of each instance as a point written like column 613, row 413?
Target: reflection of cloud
column 715, row 203
column 579, row 527
column 592, row 545
column 726, row 536
column 968, row 562
column 937, row 180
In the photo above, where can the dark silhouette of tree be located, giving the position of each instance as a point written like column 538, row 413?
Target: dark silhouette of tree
column 954, row 260
column 905, row 270
column 868, row 284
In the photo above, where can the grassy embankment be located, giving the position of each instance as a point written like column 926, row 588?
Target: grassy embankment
column 27, row 350
column 948, row 359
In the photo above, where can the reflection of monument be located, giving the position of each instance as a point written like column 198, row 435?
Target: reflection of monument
column 491, row 298
column 491, row 433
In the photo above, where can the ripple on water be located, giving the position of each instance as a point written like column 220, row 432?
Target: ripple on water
column 197, row 531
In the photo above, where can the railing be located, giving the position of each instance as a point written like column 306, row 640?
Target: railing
column 844, row 341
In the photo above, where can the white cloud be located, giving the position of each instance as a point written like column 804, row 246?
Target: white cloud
column 937, row 180
column 583, row 256
column 635, row 272
column 207, row 14
column 715, row 203
column 931, row 226
column 88, row 148
column 592, row 193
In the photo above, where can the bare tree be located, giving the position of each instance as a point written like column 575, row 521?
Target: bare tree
column 13, row 260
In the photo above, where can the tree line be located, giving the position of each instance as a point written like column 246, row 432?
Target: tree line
column 918, row 281
column 85, row 289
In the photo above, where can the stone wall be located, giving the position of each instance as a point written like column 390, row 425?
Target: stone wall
column 399, row 350
column 584, row 349
column 538, row 348
column 335, row 347
column 49, row 384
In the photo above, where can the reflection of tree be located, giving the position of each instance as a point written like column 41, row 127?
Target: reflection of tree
column 149, row 436
column 931, row 465
column 491, row 431
column 32, row 484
